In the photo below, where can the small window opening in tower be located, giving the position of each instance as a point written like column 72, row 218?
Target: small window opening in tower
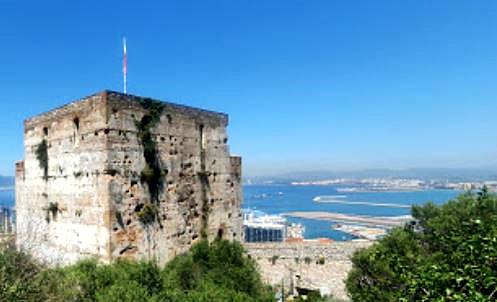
column 76, row 123
column 45, row 131
column 76, row 131
column 202, row 137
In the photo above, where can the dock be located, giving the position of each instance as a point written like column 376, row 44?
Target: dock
column 374, row 221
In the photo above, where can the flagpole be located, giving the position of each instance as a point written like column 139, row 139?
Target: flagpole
column 125, row 64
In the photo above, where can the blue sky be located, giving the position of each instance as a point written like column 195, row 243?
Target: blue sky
column 308, row 85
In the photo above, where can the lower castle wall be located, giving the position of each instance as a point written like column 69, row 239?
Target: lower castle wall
column 311, row 265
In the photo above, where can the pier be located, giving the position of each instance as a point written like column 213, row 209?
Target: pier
column 375, row 221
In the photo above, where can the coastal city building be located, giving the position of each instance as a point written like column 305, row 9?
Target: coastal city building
column 120, row 176
column 260, row 227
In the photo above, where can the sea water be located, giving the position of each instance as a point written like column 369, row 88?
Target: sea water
column 7, row 198
column 278, row 199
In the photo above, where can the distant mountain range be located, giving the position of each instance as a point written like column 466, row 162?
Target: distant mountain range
column 441, row 174
column 7, row 181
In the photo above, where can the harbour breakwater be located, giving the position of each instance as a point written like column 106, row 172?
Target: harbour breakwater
column 375, row 221
column 340, row 199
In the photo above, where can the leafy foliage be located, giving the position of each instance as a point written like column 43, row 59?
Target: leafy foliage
column 152, row 174
column 42, row 157
column 18, row 276
column 51, row 211
column 449, row 254
column 209, row 272
column 148, row 213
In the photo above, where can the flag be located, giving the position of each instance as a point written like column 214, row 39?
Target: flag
column 125, row 63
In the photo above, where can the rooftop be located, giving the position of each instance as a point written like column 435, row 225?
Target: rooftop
column 119, row 96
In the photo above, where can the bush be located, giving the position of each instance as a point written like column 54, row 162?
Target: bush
column 209, row 272
column 448, row 254
column 17, row 276
column 221, row 264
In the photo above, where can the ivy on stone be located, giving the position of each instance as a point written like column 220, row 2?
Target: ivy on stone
column 42, row 157
column 152, row 175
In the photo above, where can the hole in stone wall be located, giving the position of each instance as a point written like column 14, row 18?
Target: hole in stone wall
column 127, row 249
column 169, row 118
column 119, row 219
column 139, row 207
column 202, row 137
column 45, row 131
column 220, row 233
column 76, row 123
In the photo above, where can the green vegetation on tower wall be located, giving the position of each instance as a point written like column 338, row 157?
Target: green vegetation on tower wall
column 153, row 174
column 42, row 157
column 206, row 209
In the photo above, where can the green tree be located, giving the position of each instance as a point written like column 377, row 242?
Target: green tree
column 17, row 276
column 218, row 265
column 218, row 271
column 448, row 254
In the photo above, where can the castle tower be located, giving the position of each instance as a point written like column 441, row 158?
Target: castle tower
column 120, row 176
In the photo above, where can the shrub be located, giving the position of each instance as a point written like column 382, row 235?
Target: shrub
column 219, row 271
column 20, row 277
column 448, row 254
column 221, row 263
column 42, row 157
column 148, row 213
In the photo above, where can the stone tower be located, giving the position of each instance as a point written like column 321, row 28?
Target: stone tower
column 120, row 176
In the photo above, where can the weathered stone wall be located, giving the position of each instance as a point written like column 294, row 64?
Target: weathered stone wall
column 200, row 181
column 311, row 265
column 61, row 218
column 94, row 178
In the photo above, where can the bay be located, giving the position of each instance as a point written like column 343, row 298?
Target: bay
column 277, row 199
column 7, row 198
